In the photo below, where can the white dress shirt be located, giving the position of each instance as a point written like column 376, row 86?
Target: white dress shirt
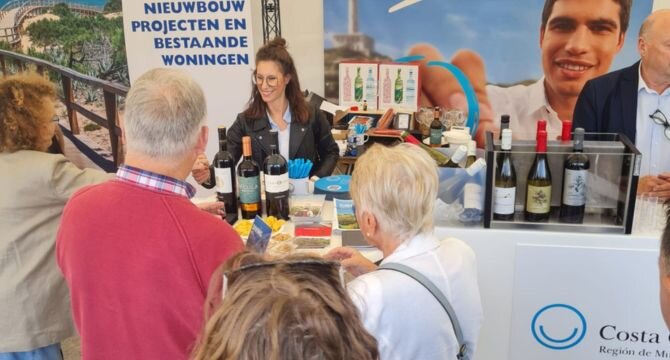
column 649, row 136
column 525, row 105
column 284, row 135
column 407, row 321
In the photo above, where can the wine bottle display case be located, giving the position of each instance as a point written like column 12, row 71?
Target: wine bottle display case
column 610, row 187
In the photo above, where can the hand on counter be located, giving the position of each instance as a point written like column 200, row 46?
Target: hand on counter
column 440, row 87
column 657, row 186
column 214, row 207
column 200, row 169
column 352, row 260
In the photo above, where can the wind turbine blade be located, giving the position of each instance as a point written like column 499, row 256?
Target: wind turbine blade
column 401, row 5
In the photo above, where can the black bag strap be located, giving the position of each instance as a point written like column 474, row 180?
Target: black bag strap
column 439, row 296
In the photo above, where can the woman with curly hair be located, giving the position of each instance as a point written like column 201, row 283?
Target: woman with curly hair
column 287, row 309
column 34, row 187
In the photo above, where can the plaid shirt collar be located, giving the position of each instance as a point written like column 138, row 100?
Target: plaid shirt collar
column 155, row 181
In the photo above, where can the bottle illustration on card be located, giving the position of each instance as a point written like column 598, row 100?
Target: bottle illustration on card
column 346, row 86
column 386, row 91
column 411, row 89
column 398, row 88
column 371, row 89
column 358, row 86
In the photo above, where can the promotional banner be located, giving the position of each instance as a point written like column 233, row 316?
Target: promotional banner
column 521, row 58
column 586, row 304
column 212, row 40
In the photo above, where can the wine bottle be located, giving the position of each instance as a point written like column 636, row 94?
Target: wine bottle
column 346, row 87
column 575, row 175
column 248, row 174
column 411, row 89
column 472, row 153
column 358, row 86
column 566, row 129
column 504, row 124
column 370, row 89
column 457, row 157
column 398, row 88
column 276, row 180
column 436, row 129
column 224, row 173
column 541, row 126
column 538, row 190
column 505, row 180
column 386, row 92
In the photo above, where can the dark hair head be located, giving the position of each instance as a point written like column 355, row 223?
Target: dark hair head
column 290, row 308
column 665, row 240
column 276, row 51
column 624, row 12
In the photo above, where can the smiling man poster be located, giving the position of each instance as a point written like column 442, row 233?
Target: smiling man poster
column 526, row 58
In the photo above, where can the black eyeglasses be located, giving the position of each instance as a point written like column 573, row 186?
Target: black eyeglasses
column 308, row 265
column 659, row 117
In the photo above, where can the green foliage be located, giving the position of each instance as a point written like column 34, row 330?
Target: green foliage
column 88, row 44
column 61, row 10
column 5, row 46
column 92, row 127
column 113, row 6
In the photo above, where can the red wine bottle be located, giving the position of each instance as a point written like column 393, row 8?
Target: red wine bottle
column 248, row 174
column 538, row 185
column 575, row 175
column 276, row 180
column 224, row 173
column 505, row 181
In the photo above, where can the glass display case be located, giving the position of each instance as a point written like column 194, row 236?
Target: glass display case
column 611, row 184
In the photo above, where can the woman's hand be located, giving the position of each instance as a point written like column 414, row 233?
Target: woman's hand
column 352, row 260
column 200, row 169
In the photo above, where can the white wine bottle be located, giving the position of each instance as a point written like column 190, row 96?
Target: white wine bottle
column 505, row 181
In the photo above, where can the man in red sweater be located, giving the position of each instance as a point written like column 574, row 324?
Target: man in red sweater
column 136, row 253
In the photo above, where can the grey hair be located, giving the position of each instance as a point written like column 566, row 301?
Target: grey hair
column 164, row 111
column 648, row 23
column 398, row 185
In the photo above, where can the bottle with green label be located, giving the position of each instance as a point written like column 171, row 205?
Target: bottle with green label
column 398, row 88
column 358, row 86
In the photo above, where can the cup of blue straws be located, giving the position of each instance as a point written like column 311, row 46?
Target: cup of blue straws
column 298, row 176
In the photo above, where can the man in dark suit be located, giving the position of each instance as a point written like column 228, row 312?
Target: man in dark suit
column 635, row 101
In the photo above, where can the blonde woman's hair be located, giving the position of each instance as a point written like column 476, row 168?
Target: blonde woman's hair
column 25, row 123
column 289, row 309
column 398, row 185
column 164, row 111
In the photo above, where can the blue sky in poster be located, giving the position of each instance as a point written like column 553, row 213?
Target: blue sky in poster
column 505, row 32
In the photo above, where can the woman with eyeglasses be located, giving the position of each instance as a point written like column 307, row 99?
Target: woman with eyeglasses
column 394, row 191
column 34, row 187
column 287, row 309
column 277, row 103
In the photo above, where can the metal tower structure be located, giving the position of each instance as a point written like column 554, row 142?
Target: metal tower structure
column 271, row 20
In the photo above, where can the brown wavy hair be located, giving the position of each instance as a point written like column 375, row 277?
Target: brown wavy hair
column 24, row 120
column 275, row 50
column 288, row 309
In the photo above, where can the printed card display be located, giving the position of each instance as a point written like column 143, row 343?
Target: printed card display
column 399, row 87
column 358, row 82
column 259, row 236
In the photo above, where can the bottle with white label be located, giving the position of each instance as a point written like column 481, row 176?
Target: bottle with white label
column 276, row 180
column 575, row 175
column 224, row 173
column 505, row 181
